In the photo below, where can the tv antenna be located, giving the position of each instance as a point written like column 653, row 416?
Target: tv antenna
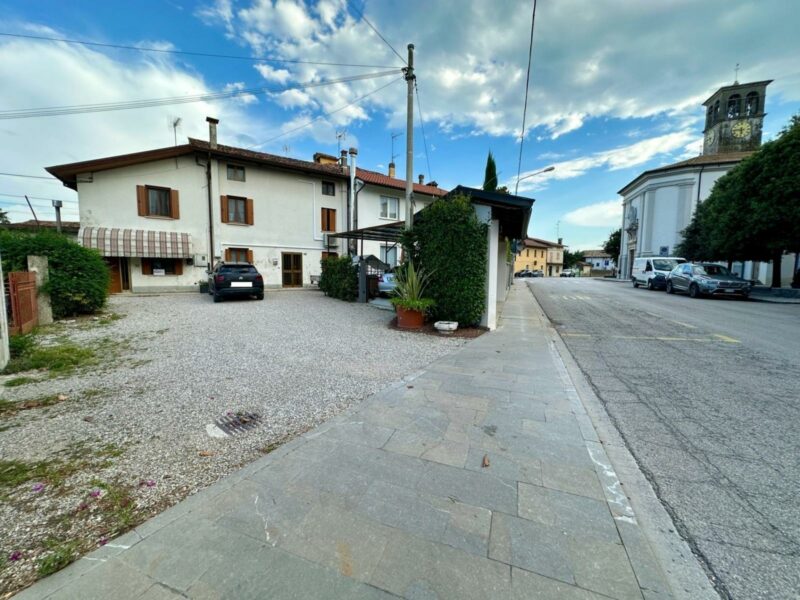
column 341, row 134
column 175, row 123
column 286, row 149
column 736, row 74
column 394, row 137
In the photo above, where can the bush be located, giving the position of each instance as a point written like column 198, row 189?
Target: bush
column 339, row 278
column 78, row 280
column 449, row 242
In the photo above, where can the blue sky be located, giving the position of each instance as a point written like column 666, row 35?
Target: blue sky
column 616, row 87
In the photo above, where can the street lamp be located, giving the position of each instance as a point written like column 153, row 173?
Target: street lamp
column 545, row 170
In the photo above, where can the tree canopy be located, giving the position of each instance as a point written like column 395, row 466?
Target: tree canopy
column 490, row 177
column 753, row 212
column 570, row 258
column 612, row 244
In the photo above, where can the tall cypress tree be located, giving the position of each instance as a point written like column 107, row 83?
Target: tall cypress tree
column 490, row 178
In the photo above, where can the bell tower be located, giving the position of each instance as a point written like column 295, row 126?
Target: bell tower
column 734, row 117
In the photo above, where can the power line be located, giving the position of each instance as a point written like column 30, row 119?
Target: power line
column 422, row 127
column 35, row 197
column 371, row 26
column 323, row 115
column 191, row 53
column 50, row 179
column 132, row 104
column 525, row 108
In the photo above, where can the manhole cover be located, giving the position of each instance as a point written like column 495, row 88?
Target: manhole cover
column 239, row 422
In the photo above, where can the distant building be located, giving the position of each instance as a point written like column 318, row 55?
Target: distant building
column 540, row 255
column 599, row 260
column 68, row 228
column 659, row 203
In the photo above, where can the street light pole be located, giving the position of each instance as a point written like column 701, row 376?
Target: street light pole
column 545, row 170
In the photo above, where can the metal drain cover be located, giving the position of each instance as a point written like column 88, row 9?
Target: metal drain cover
column 240, row 422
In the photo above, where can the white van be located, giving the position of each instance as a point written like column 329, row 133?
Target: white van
column 652, row 271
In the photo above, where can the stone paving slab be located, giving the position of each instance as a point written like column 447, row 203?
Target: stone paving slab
column 482, row 477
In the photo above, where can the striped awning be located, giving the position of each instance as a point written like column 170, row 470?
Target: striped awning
column 136, row 242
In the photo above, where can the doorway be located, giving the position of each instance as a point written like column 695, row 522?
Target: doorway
column 292, row 263
column 119, row 280
column 631, row 254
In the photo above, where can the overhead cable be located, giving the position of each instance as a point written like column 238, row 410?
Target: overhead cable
column 371, row 26
column 525, row 108
column 422, row 127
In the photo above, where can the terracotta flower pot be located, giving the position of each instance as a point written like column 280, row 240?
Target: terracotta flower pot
column 409, row 319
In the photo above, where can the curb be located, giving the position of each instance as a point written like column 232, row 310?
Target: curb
column 685, row 573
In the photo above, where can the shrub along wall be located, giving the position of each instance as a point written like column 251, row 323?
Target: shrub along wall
column 449, row 242
column 78, row 279
column 339, row 278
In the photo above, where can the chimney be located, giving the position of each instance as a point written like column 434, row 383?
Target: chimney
column 421, row 179
column 391, row 170
column 212, row 132
column 433, row 183
column 343, row 158
column 560, row 240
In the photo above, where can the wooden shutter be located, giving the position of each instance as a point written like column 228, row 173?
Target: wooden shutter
column 178, row 266
column 224, row 208
column 147, row 267
column 248, row 211
column 141, row 200
column 174, row 204
column 227, row 253
column 249, row 256
column 332, row 219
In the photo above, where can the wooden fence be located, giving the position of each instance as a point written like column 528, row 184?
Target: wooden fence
column 24, row 309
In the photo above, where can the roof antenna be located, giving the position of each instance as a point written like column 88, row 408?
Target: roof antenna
column 340, row 135
column 286, row 149
column 175, row 122
column 394, row 137
column 736, row 75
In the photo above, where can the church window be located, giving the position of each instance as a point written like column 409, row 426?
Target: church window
column 710, row 117
column 716, row 111
column 751, row 104
column 734, row 106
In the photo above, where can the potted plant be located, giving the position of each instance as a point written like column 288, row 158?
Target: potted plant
column 408, row 301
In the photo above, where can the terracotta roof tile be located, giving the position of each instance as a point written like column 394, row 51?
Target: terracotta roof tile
column 375, row 178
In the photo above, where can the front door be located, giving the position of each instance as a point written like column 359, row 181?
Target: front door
column 292, row 269
column 115, row 282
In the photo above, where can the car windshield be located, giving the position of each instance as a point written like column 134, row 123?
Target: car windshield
column 710, row 270
column 238, row 269
column 664, row 264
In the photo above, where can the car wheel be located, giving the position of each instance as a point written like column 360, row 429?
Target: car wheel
column 650, row 284
column 670, row 289
column 217, row 298
column 635, row 283
column 694, row 291
column 260, row 297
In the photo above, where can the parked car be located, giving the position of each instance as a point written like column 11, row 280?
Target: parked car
column 235, row 279
column 524, row 273
column 567, row 273
column 653, row 271
column 711, row 279
column 387, row 284
column 537, row 273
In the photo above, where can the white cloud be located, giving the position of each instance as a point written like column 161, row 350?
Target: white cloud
column 271, row 74
column 600, row 214
column 242, row 98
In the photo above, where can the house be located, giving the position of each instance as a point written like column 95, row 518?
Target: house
column 161, row 217
column 659, row 203
column 599, row 260
column 544, row 255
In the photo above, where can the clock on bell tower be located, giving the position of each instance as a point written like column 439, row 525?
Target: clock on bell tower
column 734, row 117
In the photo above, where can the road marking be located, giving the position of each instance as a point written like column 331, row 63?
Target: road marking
column 681, row 323
column 725, row 338
column 659, row 338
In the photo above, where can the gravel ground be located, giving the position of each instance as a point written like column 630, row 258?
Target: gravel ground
column 133, row 431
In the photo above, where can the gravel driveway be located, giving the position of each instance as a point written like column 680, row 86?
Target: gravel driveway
column 296, row 359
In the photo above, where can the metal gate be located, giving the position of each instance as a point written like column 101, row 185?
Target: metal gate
column 24, row 308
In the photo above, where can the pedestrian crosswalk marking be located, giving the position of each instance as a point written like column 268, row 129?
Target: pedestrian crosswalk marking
column 576, row 297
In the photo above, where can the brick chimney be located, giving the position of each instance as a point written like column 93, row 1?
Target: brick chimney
column 421, row 179
column 212, row 132
column 391, row 170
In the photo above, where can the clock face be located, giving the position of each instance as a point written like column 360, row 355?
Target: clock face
column 741, row 129
column 709, row 138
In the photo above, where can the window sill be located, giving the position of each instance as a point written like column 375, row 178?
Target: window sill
column 238, row 224
column 390, row 219
column 160, row 217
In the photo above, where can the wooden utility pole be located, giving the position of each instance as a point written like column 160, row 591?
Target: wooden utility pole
column 409, row 70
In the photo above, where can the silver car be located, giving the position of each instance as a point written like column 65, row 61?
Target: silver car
column 699, row 279
column 387, row 284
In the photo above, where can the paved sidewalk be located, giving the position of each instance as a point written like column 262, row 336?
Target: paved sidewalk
column 480, row 478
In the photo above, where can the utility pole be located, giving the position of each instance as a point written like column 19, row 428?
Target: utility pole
column 409, row 70
column 57, row 204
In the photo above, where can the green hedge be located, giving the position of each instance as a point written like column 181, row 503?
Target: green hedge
column 449, row 242
column 78, row 281
column 339, row 278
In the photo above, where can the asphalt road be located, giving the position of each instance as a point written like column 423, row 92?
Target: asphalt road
column 706, row 394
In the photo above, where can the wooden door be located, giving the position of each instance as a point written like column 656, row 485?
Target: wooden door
column 115, row 282
column 24, row 305
column 292, row 263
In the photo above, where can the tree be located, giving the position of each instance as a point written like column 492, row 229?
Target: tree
column 4, row 217
column 753, row 212
column 490, row 177
column 612, row 244
column 570, row 258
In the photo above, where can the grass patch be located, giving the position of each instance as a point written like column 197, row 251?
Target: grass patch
column 8, row 407
column 109, row 318
column 17, row 381
column 59, row 359
column 61, row 554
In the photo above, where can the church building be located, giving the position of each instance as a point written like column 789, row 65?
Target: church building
column 659, row 203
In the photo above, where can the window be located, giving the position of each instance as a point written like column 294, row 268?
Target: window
column 528, row 253
column 751, row 104
column 734, row 106
column 389, row 255
column 716, row 111
column 238, row 255
column 155, row 201
column 328, row 188
column 237, row 210
column 162, row 266
column 235, row 173
column 390, row 207
column 328, row 219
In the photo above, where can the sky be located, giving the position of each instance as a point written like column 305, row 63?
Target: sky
column 616, row 88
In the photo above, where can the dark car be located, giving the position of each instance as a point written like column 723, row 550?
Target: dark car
column 235, row 279
column 524, row 273
column 700, row 279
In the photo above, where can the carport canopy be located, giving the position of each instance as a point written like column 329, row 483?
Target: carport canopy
column 388, row 232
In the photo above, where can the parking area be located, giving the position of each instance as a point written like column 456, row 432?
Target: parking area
column 138, row 423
